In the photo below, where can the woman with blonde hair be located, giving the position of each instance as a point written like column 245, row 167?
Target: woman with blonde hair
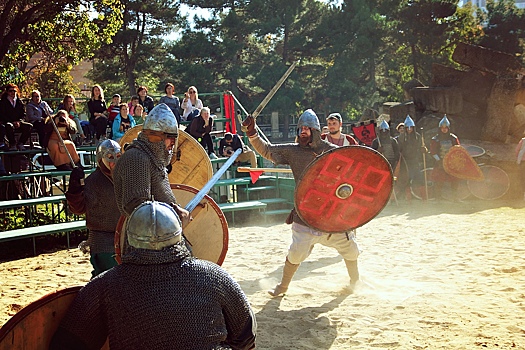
column 55, row 147
column 191, row 104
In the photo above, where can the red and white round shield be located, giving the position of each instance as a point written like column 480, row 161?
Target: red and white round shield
column 343, row 189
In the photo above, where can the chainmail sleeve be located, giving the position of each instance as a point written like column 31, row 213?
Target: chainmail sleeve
column 238, row 315
column 132, row 179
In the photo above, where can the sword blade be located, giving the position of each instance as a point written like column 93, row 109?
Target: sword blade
column 272, row 92
column 200, row 195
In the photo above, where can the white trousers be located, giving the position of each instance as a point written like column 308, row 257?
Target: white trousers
column 305, row 238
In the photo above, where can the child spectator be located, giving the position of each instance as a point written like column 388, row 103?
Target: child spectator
column 133, row 103
column 123, row 121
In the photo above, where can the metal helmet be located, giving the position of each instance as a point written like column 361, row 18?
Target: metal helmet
column 444, row 122
column 162, row 119
column 153, row 225
column 108, row 152
column 384, row 126
column 409, row 122
column 308, row 119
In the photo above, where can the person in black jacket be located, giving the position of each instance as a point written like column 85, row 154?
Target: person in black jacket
column 145, row 100
column 200, row 129
column 12, row 115
column 231, row 143
column 97, row 110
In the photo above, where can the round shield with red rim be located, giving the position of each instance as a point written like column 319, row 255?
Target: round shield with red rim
column 343, row 189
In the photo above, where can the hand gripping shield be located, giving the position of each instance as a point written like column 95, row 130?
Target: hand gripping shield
column 343, row 189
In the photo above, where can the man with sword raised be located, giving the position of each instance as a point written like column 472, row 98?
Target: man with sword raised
column 299, row 155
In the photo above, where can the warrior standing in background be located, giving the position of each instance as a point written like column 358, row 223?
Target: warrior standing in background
column 96, row 198
column 299, row 155
column 412, row 150
column 439, row 147
column 386, row 145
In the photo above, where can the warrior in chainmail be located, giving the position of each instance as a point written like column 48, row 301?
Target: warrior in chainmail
column 299, row 155
column 412, row 149
column 96, row 199
column 160, row 297
column 439, row 147
column 386, row 145
column 141, row 174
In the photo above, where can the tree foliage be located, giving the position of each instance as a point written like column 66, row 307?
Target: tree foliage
column 128, row 60
column 352, row 54
column 63, row 32
column 505, row 27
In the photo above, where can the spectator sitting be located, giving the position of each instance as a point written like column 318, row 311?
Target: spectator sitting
column 139, row 115
column 232, row 142
column 114, row 108
column 145, row 100
column 200, row 129
column 68, row 104
column 12, row 117
column 97, row 110
column 36, row 113
column 133, row 103
column 55, row 148
column 123, row 121
column 191, row 104
column 171, row 101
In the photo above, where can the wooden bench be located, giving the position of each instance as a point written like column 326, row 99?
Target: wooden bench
column 30, row 206
column 277, row 212
column 32, row 232
column 32, row 185
column 249, row 190
column 274, row 200
column 238, row 206
column 17, row 203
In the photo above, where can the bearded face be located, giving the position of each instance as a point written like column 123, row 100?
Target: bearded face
column 305, row 136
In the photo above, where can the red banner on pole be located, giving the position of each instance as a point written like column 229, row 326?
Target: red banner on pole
column 365, row 133
column 229, row 113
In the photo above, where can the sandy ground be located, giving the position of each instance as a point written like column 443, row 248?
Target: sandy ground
column 435, row 275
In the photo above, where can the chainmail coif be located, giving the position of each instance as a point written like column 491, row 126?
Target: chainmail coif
column 161, row 300
column 140, row 175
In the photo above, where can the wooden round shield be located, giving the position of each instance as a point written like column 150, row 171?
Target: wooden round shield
column 343, row 189
column 34, row 325
column 494, row 186
column 191, row 164
column 461, row 193
column 207, row 233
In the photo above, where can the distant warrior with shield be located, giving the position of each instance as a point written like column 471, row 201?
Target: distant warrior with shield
column 141, row 174
column 96, row 199
column 440, row 145
column 299, row 155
